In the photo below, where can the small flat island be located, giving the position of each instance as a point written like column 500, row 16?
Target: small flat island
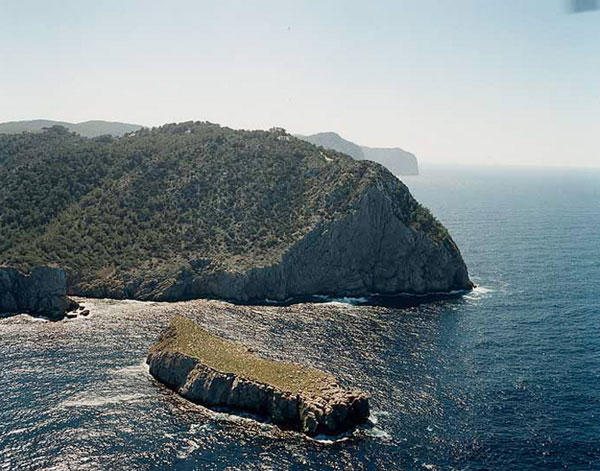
column 212, row 371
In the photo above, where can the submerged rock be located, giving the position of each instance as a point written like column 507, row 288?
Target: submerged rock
column 42, row 292
column 211, row 371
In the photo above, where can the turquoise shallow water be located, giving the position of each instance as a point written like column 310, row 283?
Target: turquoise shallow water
column 506, row 377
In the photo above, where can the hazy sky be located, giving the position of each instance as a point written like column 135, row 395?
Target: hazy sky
column 488, row 81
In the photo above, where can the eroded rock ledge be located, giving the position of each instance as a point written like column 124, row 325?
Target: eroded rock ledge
column 42, row 292
column 211, row 371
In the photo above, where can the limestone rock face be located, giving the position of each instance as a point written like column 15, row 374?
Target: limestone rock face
column 43, row 292
column 375, row 248
column 371, row 251
column 322, row 407
column 332, row 413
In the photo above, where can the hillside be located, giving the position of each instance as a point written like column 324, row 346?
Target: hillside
column 86, row 129
column 397, row 161
column 194, row 209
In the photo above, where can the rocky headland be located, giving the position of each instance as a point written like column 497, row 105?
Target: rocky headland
column 196, row 210
column 42, row 292
column 214, row 372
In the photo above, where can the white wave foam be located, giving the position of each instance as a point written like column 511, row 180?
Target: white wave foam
column 96, row 401
column 137, row 369
column 379, row 433
column 328, row 439
column 482, row 290
column 344, row 301
column 430, row 466
column 376, row 414
column 478, row 292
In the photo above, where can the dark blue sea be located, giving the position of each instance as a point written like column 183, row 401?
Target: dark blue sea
column 506, row 377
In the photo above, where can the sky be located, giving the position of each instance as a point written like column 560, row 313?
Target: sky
column 513, row 82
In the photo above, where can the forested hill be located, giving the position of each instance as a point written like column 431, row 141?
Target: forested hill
column 87, row 128
column 136, row 215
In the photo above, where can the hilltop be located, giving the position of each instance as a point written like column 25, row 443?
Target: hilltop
column 199, row 210
column 398, row 161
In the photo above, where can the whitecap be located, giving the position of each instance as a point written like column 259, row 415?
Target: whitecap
column 136, row 369
column 95, row 401
column 478, row 292
column 329, row 439
column 379, row 433
column 344, row 301
column 376, row 414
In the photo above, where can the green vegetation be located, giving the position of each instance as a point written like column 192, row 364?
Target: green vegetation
column 176, row 199
column 186, row 337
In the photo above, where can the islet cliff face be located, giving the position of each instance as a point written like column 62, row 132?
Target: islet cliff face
column 213, row 372
column 332, row 413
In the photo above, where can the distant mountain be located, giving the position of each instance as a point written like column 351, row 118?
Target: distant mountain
column 332, row 140
column 398, row 161
column 86, row 129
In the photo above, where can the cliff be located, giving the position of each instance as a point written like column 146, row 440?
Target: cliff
column 211, row 371
column 375, row 249
column 43, row 292
column 198, row 210
column 396, row 160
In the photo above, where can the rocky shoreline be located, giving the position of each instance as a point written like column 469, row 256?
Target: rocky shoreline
column 213, row 372
column 43, row 292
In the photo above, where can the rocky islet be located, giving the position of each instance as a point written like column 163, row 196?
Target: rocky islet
column 214, row 372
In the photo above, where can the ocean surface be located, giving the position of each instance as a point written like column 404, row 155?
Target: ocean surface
column 506, row 377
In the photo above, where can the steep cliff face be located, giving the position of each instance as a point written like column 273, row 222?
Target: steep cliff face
column 397, row 161
column 43, row 292
column 213, row 372
column 377, row 248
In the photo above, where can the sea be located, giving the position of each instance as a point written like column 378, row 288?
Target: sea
column 506, row 377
